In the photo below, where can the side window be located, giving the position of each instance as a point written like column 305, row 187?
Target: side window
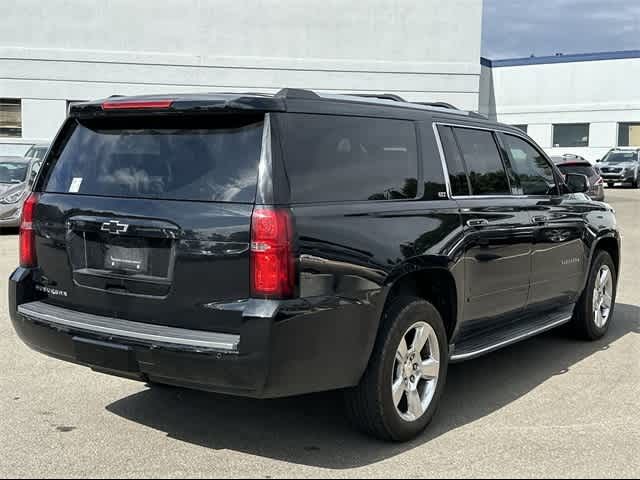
column 484, row 164
column 530, row 167
column 457, row 173
column 334, row 158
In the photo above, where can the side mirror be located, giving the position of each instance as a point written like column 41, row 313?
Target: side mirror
column 599, row 160
column 578, row 183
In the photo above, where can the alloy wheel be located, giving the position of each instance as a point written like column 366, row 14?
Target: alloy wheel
column 416, row 371
column 603, row 296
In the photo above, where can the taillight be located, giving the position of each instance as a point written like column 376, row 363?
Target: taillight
column 272, row 262
column 599, row 182
column 28, row 256
column 138, row 105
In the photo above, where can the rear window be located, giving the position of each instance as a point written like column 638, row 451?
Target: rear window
column 196, row 159
column 578, row 169
column 333, row 158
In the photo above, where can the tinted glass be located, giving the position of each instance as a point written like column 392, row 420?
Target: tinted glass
column 13, row 172
column 571, row 135
column 483, row 161
column 202, row 159
column 579, row 169
column 530, row 167
column 331, row 158
column 457, row 172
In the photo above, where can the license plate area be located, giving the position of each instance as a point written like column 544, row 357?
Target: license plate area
column 139, row 261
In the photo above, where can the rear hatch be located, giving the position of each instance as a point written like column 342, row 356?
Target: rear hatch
column 147, row 218
column 586, row 170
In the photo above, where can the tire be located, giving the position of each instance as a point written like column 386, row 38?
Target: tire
column 635, row 184
column 610, row 185
column 370, row 406
column 586, row 324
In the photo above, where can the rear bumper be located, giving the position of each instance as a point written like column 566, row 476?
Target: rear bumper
column 284, row 348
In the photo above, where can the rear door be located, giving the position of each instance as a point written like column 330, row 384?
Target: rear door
column 147, row 218
column 498, row 232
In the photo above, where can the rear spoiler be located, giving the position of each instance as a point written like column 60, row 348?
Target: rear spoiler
column 237, row 103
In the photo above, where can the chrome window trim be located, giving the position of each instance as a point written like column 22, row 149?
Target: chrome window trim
column 498, row 129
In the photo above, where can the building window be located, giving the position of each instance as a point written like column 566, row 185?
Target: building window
column 571, row 135
column 524, row 128
column 629, row 135
column 10, row 117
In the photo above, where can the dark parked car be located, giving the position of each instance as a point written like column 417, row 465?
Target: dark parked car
column 621, row 165
column 16, row 176
column 567, row 157
column 583, row 167
column 270, row 246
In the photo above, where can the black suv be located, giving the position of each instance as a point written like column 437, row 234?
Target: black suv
column 268, row 246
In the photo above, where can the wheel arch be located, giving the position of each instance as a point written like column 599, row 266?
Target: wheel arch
column 611, row 245
column 436, row 285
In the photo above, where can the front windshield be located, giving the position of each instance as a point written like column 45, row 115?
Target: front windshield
column 11, row 172
column 620, row 157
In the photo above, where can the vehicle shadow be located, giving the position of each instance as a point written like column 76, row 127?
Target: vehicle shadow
column 312, row 430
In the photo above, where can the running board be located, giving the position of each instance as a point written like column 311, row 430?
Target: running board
column 480, row 345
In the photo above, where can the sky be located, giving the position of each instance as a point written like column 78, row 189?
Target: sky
column 520, row 28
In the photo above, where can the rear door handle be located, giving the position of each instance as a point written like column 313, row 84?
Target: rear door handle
column 479, row 222
column 539, row 219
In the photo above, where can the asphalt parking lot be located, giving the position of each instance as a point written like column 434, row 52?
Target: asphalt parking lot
column 550, row 406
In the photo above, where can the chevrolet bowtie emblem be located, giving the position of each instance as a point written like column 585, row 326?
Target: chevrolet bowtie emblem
column 115, row 227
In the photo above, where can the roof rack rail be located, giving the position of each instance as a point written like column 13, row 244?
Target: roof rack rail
column 448, row 106
column 438, row 105
column 381, row 96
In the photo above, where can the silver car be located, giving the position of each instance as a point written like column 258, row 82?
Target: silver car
column 621, row 165
column 16, row 177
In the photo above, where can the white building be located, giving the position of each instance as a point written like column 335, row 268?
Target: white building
column 57, row 51
column 582, row 104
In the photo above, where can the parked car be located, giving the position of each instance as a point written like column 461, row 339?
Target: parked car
column 557, row 159
column 271, row 246
column 15, row 182
column 621, row 165
column 37, row 151
column 584, row 167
